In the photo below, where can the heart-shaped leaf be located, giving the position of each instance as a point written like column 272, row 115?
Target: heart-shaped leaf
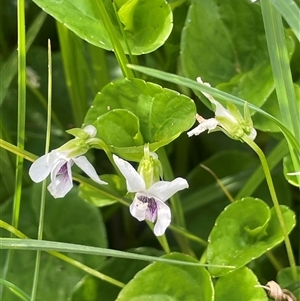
column 243, row 231
column 147, row 24
column 130, row 112
column 161, row 282
column 239, row 286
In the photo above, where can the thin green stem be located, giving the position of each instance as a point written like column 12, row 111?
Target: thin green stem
column 118, row 49
column 275, row 156
column 43, row 102
column 16, row 290
column 269, row 180
column 17, row 151
column 43, row 196
column 21, row 125
column 226, row 192
column 21, row 109
column 275, row 262
column 188, row 235
column 133, row 60
column 161, row 239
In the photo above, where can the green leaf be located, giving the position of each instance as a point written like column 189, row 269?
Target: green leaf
column 161, row 282
column 122, row 269
column 99, row 199
column 239, row 286
column 255, row 85
column 160, row 115
column 179, row 80
column 119, row 127
column 147, row 23
column 217, row 43
column 245, row 230
column 286, row 280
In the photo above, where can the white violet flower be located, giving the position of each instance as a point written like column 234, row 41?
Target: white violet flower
column 58, row 164
column 229, row 121
column 149, row 203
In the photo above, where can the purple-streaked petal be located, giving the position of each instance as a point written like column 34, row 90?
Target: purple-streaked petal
column 138, row 209
column 163, row 190
column 61, row 179
column 163, row 219
column 152, row 210
column 134, row 181
column 41, row 168
column 83, row 163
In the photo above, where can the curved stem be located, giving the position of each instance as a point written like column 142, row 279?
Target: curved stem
column 269, row 180
column 188, row 235
column 118, row 49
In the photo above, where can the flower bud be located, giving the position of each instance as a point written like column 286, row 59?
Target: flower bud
column 150, row 167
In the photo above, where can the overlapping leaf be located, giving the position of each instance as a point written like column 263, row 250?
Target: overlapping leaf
column 161, row 282
column 130, row 112
column 241, row 234
column 147, row 24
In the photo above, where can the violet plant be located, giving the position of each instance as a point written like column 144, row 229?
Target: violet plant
column 148, row 89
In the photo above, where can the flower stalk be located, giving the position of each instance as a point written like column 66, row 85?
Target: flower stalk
column 270, row 184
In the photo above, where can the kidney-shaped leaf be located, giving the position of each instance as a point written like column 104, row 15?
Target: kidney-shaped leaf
column 239, row 285
column 147, row 24
column 243, row 231
column 147, row 113
column 162, row 281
